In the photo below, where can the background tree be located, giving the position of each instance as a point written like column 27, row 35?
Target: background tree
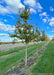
column 43, row 36
column 0, row 41
column 47, row 38
column 37, row 33
column 23, row 30
column 52, row 39
column 33, row 36
column 14, row 41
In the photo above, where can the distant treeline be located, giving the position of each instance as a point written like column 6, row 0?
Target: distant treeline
column 52, row 39
column 9, row 42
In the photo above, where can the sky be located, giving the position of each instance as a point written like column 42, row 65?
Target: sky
column 42, row 12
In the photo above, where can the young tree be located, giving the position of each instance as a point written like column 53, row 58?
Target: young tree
column 52, row 39
column 33, row 36
column 47, row 38
column 37, row 33
column 14, row 41
column 23, row 30
column 0, row 41
column 43, row 36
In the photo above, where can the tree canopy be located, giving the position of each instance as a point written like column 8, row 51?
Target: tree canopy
column 53, row 39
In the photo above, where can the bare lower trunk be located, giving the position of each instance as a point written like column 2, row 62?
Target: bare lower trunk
column 26, row 55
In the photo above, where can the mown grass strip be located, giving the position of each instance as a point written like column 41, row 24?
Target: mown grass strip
column 10, row 61
column 2, row 53
column 29, row 48
column 46, row 62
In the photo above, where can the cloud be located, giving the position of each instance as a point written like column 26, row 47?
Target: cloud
column 3, row 10
column 52, row 19
column 4, row 34
column 6, row 27
column 12, row 17
column 44, row 20
column 52, row 31
column 32, row 10
column 43, row 14
column 51, row 9
column 31, row 3
column 11, row 7
column 51, row 22
column 5, row 20
column 47, row 27
column 38, row 7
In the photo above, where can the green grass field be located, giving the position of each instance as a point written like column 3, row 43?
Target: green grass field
column 46, row 61
column 2, row 53
column 15, row 58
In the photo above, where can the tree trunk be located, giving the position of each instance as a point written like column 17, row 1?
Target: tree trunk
column 26, row 56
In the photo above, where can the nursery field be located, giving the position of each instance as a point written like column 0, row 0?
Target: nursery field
column 13, row 57
column 40, row 60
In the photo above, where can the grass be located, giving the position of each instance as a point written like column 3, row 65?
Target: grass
column 14, row 59
column 2, row 53
column 46, row 62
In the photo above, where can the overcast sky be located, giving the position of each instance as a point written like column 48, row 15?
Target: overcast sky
column 42, row 13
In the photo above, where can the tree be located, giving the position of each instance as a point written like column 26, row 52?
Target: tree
column 33, row 36
column 23, row 30
column 52, row 39
column 0, row 41
column 47, row 38
column 37, row 33
column 43, row 36
column 14, row 41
